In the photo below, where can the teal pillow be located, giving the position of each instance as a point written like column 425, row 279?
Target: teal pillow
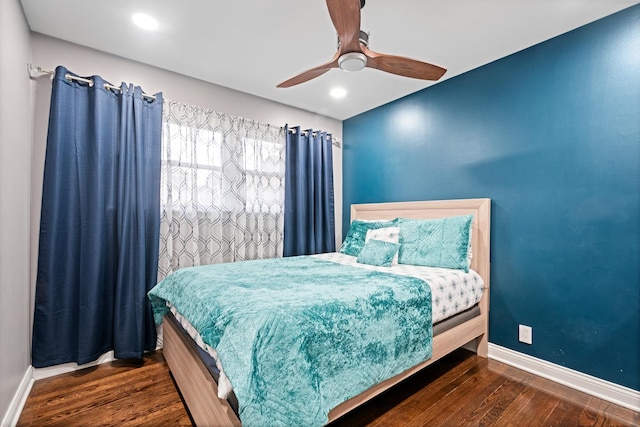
column 356, row 237
column 442, row 242
column 378, row 252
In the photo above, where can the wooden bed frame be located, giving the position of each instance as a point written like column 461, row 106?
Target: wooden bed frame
column 200, row 391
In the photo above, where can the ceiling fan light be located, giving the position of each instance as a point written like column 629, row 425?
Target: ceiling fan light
column 352, row 61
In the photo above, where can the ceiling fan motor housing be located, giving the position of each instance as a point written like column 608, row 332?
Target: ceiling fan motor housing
column 364, row 39
column 354, row 61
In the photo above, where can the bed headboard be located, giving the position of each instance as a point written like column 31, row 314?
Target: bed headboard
column 479, row 208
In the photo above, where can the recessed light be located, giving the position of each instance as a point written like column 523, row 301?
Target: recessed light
column 145, row 21
column 338, row 92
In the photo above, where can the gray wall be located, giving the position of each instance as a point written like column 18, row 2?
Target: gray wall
column 49, row 52
column 24, row 114
column 15, row 160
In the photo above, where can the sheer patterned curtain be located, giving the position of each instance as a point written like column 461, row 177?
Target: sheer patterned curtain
column 222, row 188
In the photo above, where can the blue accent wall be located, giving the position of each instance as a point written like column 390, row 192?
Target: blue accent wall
column 552, row 135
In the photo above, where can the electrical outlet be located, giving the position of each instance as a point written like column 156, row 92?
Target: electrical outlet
column 525, row 334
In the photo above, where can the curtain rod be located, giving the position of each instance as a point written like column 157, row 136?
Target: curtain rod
column 37, row 71
column 334, row 141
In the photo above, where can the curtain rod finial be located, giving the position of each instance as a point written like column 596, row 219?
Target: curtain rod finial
column 37, row 71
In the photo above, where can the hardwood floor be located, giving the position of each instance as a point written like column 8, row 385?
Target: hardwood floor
column 460, row 390
column 120, row 393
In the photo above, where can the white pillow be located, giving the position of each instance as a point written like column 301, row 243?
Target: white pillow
column 387, row 234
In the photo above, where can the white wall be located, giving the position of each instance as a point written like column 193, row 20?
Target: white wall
column 50, row 52
column 15, row 160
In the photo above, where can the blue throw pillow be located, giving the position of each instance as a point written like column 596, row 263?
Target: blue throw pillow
column 378, row 252
column 356, row 237
column 442, row 242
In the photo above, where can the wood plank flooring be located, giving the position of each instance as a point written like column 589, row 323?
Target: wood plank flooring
column 120, row 393
column 460, row 390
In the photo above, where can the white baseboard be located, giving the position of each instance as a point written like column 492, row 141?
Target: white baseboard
column 602, row 389
column 10, row 418
column 40, row 373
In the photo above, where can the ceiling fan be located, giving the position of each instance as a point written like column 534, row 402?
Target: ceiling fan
column 353, row 50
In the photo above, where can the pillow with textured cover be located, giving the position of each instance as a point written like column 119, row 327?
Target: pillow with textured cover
column 387, row 234
column 378, row 252
column 442, row 242
column 357, row 234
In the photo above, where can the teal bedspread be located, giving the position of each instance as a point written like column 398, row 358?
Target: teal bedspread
column 298, row 336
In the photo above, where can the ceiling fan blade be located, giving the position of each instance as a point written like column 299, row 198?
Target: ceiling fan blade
column 345, row 15
column 311, row 73
column 402, row 66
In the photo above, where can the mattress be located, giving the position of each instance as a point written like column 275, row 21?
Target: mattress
column 453, row 292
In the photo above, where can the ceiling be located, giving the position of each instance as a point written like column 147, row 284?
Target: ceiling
column 252, row 45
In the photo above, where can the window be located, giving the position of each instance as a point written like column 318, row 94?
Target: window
column 222, row 188
column 199, row 161
column 264, row 167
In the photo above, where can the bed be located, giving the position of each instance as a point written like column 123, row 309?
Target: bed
column 199, row 387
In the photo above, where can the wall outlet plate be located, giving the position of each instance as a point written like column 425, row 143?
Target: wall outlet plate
column 525, row 334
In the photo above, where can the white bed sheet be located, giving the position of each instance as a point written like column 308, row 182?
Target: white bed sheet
column 452, row 291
